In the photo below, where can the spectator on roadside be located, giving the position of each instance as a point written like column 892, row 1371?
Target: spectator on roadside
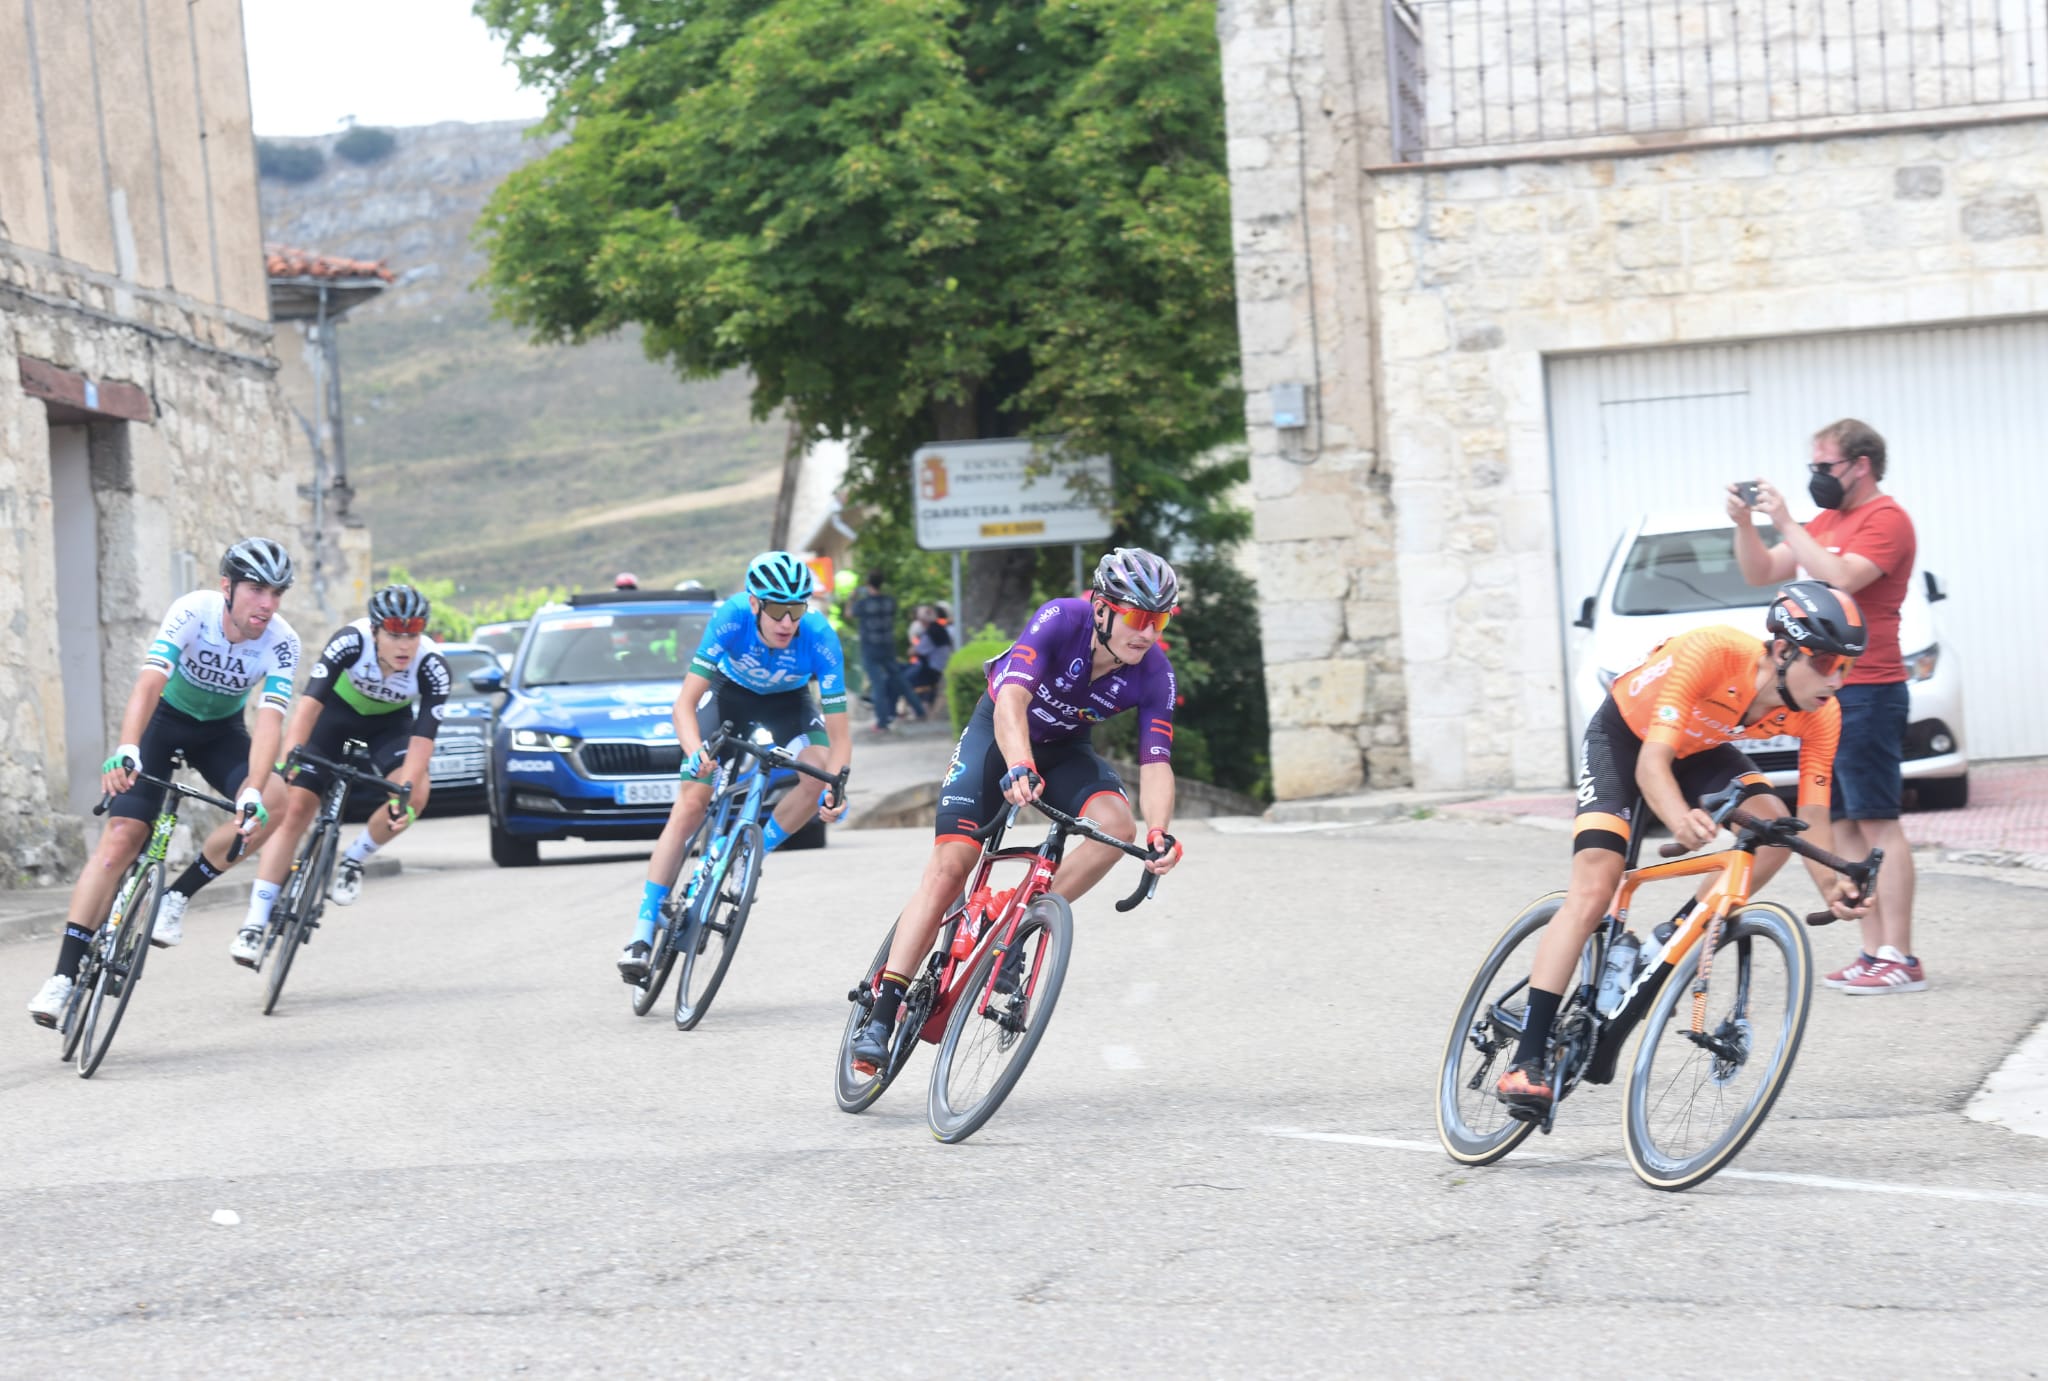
column 625, row 580
column 874, row 614
column 931, row 647
column 1862, row 541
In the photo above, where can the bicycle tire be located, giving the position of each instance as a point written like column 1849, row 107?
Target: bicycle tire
column 1746, row 938
column 659, row 962
column 1473, row 1125
column 953, row 1119
column 131, row 951
column 72, row 1022
column 857, row 1092
column 719, row 918
column 311, row 890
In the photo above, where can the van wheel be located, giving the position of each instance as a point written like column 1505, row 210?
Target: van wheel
column 510, row 851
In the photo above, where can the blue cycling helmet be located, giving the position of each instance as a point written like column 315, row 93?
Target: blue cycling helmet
column 778, row 578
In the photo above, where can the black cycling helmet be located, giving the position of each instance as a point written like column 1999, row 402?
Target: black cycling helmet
column 258, row 559
column 398, row 602
column 1817, row 618
column 1136, row 579
column 779, row 578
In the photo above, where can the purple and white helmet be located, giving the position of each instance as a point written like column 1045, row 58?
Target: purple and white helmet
column 1136, row 579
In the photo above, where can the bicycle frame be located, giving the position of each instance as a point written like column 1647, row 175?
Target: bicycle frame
column 737, row 796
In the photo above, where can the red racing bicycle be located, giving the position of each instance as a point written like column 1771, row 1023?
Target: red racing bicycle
column 987, row 990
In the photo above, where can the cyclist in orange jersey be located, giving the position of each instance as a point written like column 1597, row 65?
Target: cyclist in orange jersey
column 1664, row 737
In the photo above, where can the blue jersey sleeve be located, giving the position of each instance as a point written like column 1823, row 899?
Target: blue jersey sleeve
column 732, row 621
column 828, row 663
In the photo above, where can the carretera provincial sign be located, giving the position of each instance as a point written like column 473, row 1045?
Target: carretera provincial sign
column 1006, row 493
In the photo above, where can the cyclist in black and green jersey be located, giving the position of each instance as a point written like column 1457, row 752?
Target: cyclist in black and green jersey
column 382, row 682
column 214, row 650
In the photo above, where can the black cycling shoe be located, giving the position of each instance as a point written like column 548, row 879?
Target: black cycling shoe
column 633, row 961
column 871, row 1047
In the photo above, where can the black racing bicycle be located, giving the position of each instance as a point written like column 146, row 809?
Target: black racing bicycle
column 701, row 922
column 111, row 969
column 304, row 896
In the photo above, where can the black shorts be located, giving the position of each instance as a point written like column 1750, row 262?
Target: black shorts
column 217, row 749
column 791, row 716
column 1609, row 796
column 388, row 737
column 972, row 791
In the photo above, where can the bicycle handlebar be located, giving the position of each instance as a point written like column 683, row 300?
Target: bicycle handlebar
column 1783, row 834
column 778, row 756
column 1147, row 886
column 301, row 756
column 234, row 848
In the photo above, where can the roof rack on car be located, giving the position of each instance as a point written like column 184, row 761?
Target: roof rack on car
column 585, row 599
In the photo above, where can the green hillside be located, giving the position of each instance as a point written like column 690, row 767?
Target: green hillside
column 480, row 458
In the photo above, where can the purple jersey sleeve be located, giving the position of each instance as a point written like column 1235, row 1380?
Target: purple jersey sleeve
column 1155, row 709
column 1036, row 649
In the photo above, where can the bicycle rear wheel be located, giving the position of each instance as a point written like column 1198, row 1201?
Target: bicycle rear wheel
column 856, row 1091
column 1693, row 1104
column 307, row 890
column 992, row 1035
column 122, row 973
column 719, row 914
column 1473, row 1125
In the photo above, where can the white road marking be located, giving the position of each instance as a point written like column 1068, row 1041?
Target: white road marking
column 1141, row 994
column 1924, row 1191
column 1122, row 1057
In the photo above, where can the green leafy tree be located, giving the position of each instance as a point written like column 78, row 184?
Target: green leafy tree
column 366, row 144
column 911, row 220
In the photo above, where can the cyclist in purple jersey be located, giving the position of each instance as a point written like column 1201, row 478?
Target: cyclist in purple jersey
column 1079, row 661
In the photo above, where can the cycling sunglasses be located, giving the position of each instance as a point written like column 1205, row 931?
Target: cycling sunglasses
column 398, row 625
column 1826, row 662
column 777, row 613
column 1141, row 619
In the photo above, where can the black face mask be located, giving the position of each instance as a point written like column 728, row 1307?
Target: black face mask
column 1825, row 490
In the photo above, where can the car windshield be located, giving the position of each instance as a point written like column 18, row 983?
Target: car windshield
column 460, row 666
column 594, row 648
column 504, row 640
column 1684, row 572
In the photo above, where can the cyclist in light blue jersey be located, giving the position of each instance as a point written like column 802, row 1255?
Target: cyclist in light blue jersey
column 752, row 669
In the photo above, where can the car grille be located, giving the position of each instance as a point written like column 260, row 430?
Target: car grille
column 629, row 759
column 1777, row 760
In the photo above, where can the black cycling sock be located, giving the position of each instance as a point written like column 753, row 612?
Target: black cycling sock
column 72, row 949
column 888, row 997
column 1536, row 1032
column 197, row 876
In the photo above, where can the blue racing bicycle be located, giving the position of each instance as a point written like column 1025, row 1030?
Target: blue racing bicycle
column 701, row 922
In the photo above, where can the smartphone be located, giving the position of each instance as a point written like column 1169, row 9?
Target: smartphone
column 1747, row 489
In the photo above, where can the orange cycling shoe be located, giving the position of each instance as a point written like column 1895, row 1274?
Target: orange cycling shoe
column 1525, row 1085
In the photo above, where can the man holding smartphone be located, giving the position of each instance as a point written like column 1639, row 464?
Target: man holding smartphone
column 1862, row 541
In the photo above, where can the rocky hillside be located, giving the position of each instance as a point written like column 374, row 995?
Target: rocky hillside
column 499, row 464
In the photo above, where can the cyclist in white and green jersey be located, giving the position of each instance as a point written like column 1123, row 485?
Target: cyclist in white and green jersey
column 214, row 651
column 381, row 682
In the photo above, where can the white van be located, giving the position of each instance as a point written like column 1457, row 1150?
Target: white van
column 1671, row 572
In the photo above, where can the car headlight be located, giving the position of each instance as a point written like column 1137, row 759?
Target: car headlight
column 1920, row 665
column 533, row 739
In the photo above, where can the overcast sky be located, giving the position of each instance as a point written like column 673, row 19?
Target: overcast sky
column 386, row 62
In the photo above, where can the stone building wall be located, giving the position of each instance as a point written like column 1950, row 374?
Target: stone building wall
column 1483, row 271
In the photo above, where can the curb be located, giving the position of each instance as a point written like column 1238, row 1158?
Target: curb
column 1367, row 807
column 38, row 920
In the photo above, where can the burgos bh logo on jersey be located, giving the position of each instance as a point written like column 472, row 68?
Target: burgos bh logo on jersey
column 1076, row 667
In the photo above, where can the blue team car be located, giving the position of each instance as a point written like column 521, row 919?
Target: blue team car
column 583, row 746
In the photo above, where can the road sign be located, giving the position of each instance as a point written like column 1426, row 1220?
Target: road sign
column 969, row 495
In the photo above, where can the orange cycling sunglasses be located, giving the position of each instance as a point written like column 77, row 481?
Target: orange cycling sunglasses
column 1826, row 662
column 1141, row 619
column 404, row 626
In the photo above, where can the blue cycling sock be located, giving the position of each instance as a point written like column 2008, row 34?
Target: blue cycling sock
column 652, row 895
column 773, row 834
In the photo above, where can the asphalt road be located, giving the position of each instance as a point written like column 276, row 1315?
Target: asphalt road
column 455, row 1152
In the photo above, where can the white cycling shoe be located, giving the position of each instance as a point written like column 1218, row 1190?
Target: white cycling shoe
column 348, row 882
column 170, row 920
column 48, row 1003
column 247, row 947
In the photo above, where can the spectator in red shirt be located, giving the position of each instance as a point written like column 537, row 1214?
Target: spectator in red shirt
column 1862, row 542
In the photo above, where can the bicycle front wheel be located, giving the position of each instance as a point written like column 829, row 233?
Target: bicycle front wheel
column 304, row 893
column 998, row 1020
column 718, row 915
column 660, row 960
column 1694, row 1100
column 1473, row 1125
column 122, row 973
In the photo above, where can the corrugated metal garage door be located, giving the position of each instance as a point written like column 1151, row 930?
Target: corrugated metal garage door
column 1964, row 413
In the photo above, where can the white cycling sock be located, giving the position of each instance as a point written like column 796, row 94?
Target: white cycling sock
column 262, row 897
column 362, row 848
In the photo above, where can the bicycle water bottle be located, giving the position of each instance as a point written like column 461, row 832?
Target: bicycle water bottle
column 1618, row 972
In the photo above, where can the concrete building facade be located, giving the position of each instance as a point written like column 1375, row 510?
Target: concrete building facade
column 1436, row 212
column 141, row 429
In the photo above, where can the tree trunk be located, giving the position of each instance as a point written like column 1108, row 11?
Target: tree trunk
column 997, row 585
